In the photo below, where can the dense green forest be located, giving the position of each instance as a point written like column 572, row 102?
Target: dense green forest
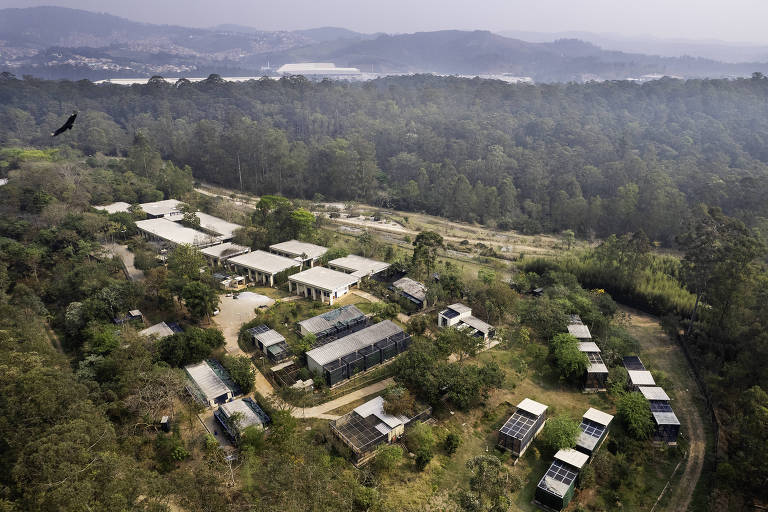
column 597, row 158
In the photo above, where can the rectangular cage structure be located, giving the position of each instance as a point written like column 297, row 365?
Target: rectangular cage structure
column 591, row 435
column 666, row 422
column 519, row 430
column 388, row 349
column 355, row 363
column 372, row 356
column 555, row 489
column 403, row 341
column 335, row 372
column 633, row 363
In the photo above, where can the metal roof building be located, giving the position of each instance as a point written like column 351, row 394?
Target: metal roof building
column 219, row 253
column 308, row 253
column 358, row 266
column 262, row 266
column 217, row 226
column 411, row 290
column 318, row 69
column 597, row 372
column 270, row 342
column 580, row 331
column 174, row 233
column 368, row 426
column 321, row 283
column 555, row 489
column 333, row 322
column 460, row 316
column 168, row 208
column 251, row 415
column 525, row 423
column 160, row 330
column 592, row 431
column 208, row 386
column 359, row 351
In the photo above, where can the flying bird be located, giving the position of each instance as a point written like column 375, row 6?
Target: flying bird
column 66, row 126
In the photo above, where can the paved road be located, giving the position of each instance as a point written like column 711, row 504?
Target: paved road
column 320, row 411
column 121, row 251
column 668, row 356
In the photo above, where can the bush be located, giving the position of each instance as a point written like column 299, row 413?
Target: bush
column 423, row 457
column 451, row 443
column 420, row 436
column 190, row 346
column 560, row 433
column 387, row 457
column 241, row 371
column 634, row 411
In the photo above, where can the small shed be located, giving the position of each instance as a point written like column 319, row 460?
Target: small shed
column 597, row 371
column 592, row 431
column 555, row 489
column 270, row 342
column 525, row 423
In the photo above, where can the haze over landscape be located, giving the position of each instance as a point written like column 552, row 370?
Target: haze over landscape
column 336, row 256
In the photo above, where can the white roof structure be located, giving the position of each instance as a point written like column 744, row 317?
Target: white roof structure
column 641, row 378
column 119, row 206
column 589, row 346
column 599, row 417
column 221, row 227
column 338, row 317
column 532, row 407
column 225, row 250
column 249, row 416
column 175, row 233
column 353, row 342
column 269, row 338
column 316, row 69
column 296, row 249
column 654, row 393
column 207, row 381
column 358, row 266
column 264, row 262
column 478, row 324
column 162, row 208
column 460, row 308
column 413, row 288
column 323, row 278
column 375, row 407
column 160, row 330
column 580, row 331
column 572, row 457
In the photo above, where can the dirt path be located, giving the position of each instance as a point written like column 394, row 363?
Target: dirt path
column 121, row 251
column 667, row 356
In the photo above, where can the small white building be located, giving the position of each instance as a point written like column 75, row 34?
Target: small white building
column 318, row 70
column 460, row 317
column 321, row 284
column 174, row 233
column 206, row 385
column 219, row 253
column 308, row 253
column 160, row 330
column 118, row 207
column 358, row 266
column 262, row 266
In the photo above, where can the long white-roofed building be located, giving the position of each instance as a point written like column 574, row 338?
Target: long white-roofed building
column 168, row 208
column 308, row 253
column 358, row 266
column 219, row 227
column 525, row 423
column 321, row 284
column 318, row 70
column 174, row 233
column 262, row 266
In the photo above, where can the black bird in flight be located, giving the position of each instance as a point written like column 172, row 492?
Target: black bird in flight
column 66, row 126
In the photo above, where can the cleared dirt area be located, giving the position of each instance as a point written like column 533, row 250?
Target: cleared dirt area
column 235, row 312
column 664, row 354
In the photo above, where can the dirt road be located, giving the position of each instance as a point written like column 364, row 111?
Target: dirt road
column 664, row 354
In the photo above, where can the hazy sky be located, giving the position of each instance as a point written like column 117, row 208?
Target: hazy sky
column 728, row 20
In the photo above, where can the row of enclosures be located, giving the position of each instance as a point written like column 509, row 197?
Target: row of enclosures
column 365, row 358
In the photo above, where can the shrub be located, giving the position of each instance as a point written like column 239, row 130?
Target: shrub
column 451, row 443
column 560, row 433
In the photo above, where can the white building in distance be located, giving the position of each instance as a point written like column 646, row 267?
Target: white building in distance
column 318, row 70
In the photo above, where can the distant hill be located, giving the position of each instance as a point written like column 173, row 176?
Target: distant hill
column 57, row 42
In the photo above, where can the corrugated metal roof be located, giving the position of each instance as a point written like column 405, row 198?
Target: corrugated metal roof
column 532, row 407
column 376, row 407
column 478, row 324
column 323, row 278
column 335, row 318
column 353, row 342
column 249, row 416
column 665, row 418
column 206, row 380
column 460, row 308
column 597, row 368
column 269, row 338
column 158, row 208
column 603, row 418
column 581, row 331
column 654, row 393
column 413, row 288
column 216, row 225
column 296, row 248
column 572, row 457
column 265, row 262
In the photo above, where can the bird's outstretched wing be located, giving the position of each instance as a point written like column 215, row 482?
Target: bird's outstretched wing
column 66, row 126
